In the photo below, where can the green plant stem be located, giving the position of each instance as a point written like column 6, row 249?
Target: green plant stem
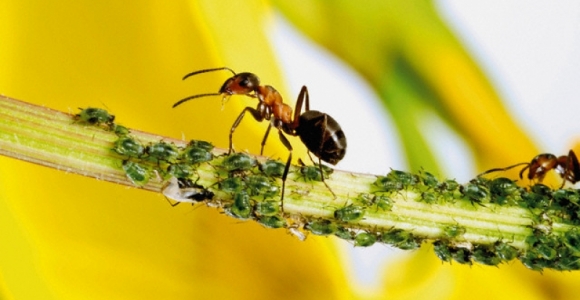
column 466, row 222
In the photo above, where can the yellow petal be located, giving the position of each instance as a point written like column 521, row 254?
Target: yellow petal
column 71, row 237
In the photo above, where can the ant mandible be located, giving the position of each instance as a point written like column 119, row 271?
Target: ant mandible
column 566, row 166
column 321, row 134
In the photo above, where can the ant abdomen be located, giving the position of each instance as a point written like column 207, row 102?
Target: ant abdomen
column 322, row 135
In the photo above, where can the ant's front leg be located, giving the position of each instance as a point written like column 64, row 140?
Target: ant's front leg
column 265, row 138
column 259, row 113
column 286, row 168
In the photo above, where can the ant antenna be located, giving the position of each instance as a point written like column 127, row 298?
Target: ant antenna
column 208, row 70
column 201, row 95
column 194, row 97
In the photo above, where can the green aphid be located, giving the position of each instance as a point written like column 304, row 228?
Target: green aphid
column 405, row 178
column 162, row 151
column 386, row 184
column 502, row 187
column 238, row 162
column 241, row 207
column 232, row 185
column 533, row 262
column 428, row 197
column 395, row 181
column 462, row 256
column 400, row 239
column 180, row 170
column 505, row 251
column 409, row 244
column 129, row 147
column 474, row 192
column 503, row 191
column 365, row 239
column 448, row 185
column 539, row 196
column 272, row 168
column 310, row 173
column 565, row 197
column 484, row 255
column 429, row 179
column 567, row 263
column 321, row 227
column 345, row 233
column 194, row 155
column 572, row 242
column 443, row 251
column 273, row 221
column 383, row 202
column 207, row 146
column 545, row 251
column 365, row 199
column 349, row 213
column 261, row 185
column 137, row 173
column 453, row 231
column 267, row 208
column 121, row 130
column 542, row 245
column 95, row 116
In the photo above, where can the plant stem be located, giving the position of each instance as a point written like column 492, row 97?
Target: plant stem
column 487, row 221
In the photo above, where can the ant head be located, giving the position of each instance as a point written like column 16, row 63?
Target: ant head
column 240, row 84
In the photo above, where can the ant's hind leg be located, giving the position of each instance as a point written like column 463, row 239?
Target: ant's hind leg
column 322, row 176
column 321, row 173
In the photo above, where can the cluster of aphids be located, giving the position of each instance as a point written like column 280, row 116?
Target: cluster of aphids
column 250, row 184
column 142, row 162
column 546, row 249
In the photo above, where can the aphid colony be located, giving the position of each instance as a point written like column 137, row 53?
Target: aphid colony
column 254, row 192
column 250, row 184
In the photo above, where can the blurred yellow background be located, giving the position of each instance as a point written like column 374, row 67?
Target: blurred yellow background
column 69, row 237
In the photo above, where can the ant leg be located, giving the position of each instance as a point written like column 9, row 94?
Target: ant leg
column 286, row 168
column 265, row 138
column 505, row 169
column 322, row 175
column 575, row 166
column 568, row 168
column 257, row 114
column 303, row 96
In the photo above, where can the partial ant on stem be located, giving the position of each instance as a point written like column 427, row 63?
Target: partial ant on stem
column 566, row 166
column 321, row 134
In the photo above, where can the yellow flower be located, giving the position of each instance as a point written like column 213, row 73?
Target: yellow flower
column 69, row 237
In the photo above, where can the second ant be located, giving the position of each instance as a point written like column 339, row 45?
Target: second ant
column 566, row 166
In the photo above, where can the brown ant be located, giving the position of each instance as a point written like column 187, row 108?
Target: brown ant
column 321, row 134
column 566, row 166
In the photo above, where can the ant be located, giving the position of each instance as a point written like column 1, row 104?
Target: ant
column 321, row 134
column 566, row 166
